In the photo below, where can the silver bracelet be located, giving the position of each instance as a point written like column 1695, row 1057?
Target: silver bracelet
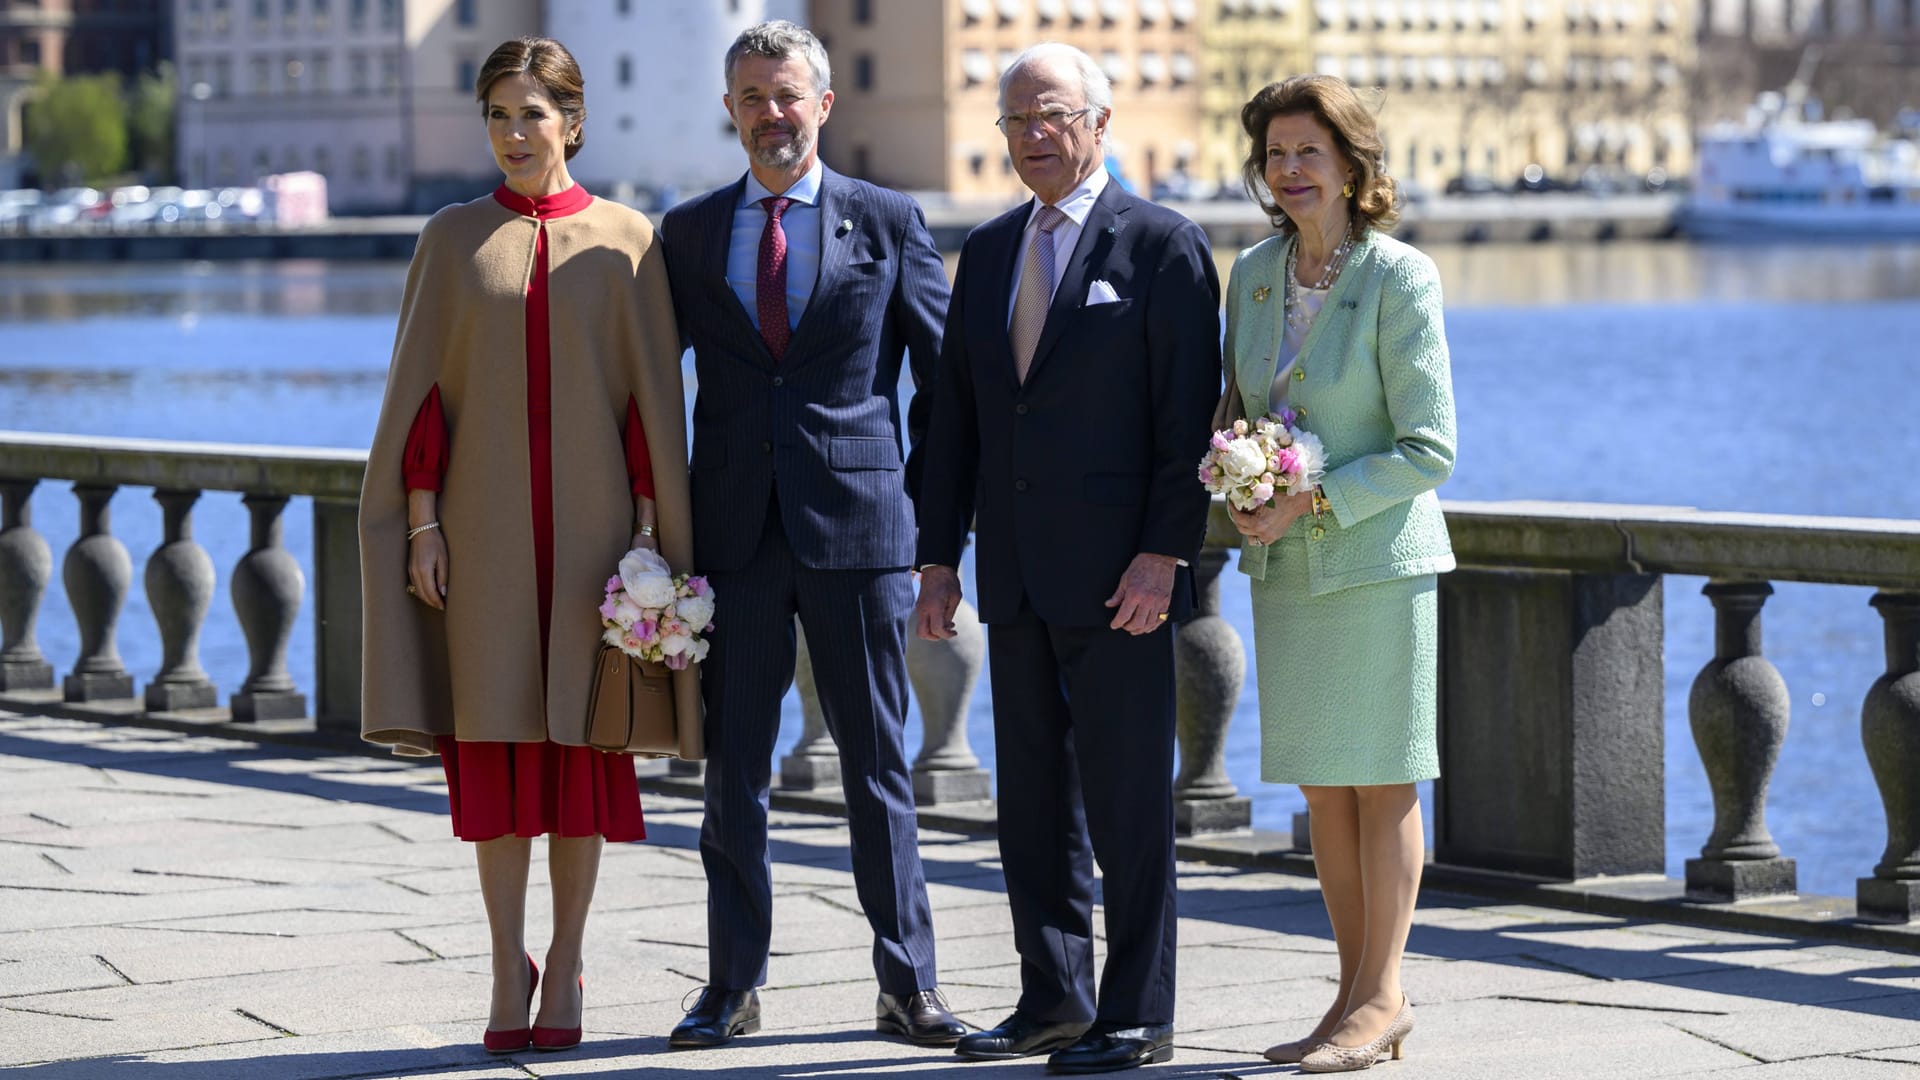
column 411, row 533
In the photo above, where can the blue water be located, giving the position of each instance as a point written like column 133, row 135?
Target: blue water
column 1749, row 378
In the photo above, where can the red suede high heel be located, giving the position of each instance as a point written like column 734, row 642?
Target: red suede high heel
column 550, row 1039
column 506, row 1042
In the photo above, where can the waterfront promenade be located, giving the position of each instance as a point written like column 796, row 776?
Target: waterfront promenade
column 199, row 908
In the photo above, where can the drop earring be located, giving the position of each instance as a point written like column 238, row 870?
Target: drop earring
column 1347, row 192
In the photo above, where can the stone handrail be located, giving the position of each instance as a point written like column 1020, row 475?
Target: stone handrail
column 1552, row 678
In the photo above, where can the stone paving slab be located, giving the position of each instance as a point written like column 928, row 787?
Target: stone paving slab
column 177, row 907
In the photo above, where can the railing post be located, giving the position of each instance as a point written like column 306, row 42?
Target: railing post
column 1209, row 666
column 336, row 611
column 1738, row 710
column 267, row 587
column 97, row 573
column 814, row 762
column 944, row 674
column 179, row 589
column 26, row 565
column 1890, row 730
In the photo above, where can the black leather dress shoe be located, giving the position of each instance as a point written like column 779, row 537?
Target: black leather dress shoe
column 716, row 1018
column 1018, row 1036
column 1111, row 1051
column 921, row 1017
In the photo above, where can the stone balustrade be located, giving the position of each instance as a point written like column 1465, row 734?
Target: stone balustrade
column 1552, row 633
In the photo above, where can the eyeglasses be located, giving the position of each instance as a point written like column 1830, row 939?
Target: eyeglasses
column 1055, row 120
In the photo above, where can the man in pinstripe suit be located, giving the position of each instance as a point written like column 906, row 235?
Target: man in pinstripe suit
column 799, row 290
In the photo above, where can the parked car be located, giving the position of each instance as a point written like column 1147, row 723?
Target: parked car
column 1534, row 180
column 1472, row 184
column 16, row 207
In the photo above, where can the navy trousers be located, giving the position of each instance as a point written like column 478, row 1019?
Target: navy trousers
column 1083, row 742
column 856, row 627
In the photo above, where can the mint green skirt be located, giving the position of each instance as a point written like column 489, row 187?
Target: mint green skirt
column 1349, row 680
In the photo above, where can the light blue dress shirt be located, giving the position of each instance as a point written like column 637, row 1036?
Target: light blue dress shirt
column 802, row 225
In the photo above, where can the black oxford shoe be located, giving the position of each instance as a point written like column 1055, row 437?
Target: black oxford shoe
column 1111, row 1051
column 716, row 1018
column 1018, row 1036
column 921, row 1017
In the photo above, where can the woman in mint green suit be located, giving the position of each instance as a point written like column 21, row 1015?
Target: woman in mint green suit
column 1340, row 323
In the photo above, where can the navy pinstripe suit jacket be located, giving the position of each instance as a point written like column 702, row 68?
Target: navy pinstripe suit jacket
column 821, row 429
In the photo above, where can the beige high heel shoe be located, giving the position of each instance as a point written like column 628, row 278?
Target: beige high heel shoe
column 1332, row 1057
column 1293, row 1053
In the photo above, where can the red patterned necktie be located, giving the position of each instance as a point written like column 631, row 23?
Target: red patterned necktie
column 770, row 291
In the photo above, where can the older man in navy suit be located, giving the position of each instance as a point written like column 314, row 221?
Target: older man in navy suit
column 1081, row 367
column 799, row 290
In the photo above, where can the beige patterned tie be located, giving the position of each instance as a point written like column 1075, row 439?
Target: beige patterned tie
column 1036, row 290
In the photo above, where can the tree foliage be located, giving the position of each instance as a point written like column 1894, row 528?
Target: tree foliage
column 77, row 128
column 151, row 124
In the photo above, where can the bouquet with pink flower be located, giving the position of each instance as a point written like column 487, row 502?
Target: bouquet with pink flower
column 1257, row 460
column 651, row 613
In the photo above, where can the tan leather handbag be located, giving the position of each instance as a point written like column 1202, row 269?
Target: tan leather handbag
column 630, row 708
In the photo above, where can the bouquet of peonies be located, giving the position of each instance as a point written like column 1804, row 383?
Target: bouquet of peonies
column 651, row 613
column 1260, row 459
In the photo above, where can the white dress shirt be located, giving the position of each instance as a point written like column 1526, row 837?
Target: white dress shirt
column 1077, row 205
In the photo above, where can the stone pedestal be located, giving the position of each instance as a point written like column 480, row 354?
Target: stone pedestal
column 944, row 674
column 26, row 566
column 179, row 583
column 1209, row 666
column 1302, row 831
column 676, row 767
column 1890, row 731
column 97, row 573
column 267, row 589
column 1552, row 733
column 336, row 612
column 1738, row 711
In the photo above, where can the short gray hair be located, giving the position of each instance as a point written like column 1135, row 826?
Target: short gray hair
column 1093, row 81
column 780, row 40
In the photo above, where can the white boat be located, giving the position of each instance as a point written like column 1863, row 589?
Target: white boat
column 1786, row 172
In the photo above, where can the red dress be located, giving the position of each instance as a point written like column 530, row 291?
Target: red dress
column 531, row 789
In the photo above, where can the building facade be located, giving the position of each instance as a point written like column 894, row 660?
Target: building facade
column 916, row 85
column 68, row 37
column 1856, row 57
column 656, row 128
column 1475, row 88
column 375, row 95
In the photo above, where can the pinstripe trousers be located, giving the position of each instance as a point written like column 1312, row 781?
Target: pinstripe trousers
column 856, row 625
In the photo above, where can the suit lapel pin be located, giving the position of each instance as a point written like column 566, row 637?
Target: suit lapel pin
column 1260, row 294
column 846, row 226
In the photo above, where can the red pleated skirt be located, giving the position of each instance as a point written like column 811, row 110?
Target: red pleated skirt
column 534, row 789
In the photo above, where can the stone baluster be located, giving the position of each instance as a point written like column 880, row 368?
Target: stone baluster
column 26, row 565
column 267, row 589
column 179, row 589
column 1739, row 709
column 1890, row 729
column 97, row 573
column 814, row 762
column 1209, row 666
column 944, row 674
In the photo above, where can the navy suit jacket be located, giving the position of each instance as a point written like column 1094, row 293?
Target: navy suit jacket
column 1094, row 459
column 821, row 428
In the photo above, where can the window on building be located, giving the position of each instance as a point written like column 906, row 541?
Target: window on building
column 30, row 51
column 624, row 7
column 464, row 13
column 357, row 73
column 289, row 16
column 262, row 78
column 295, row 73
column 362, row 163
column 195, row 19
column 222, row 19
column 322, row 13
column 623, row 71
column 322, row 159
column 389, row 14
column 393, row 163
column 259, row 17
column 863, row 71
column 290, row 160
column 222, row 76
column 357, row 15
column 321, row 73
column 466, row 73
column 227, row 173
column 862, row 12
column 389, row 72
column 262, row 162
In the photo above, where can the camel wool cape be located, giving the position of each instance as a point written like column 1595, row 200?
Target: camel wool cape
column 473, row 672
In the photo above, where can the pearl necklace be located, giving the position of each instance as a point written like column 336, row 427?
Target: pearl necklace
column 1296, row 312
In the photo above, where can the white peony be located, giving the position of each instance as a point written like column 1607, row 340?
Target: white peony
column 647, row 578
column 626, row 612
column 675, row 644
column 696, row 610
column 1313, row 457
column 1244, row 460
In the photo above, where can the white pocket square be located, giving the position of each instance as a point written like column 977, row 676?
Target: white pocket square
column 1101, row 293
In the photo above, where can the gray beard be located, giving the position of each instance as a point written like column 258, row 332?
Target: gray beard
column 784, row 155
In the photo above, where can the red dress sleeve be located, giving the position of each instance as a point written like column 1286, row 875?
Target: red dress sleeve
column 424, row 461
column 639, row 462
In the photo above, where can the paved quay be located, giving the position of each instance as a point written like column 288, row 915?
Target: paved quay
column 181, row 907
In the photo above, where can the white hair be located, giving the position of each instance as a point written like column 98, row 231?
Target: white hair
column 1094, row 83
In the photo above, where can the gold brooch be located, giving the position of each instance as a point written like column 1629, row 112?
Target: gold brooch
column 1260, row 294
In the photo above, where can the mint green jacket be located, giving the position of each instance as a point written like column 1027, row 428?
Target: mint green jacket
column 1374, row 383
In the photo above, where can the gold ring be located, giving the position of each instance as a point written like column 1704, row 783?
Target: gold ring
column 411, row 591
column 1163, row 616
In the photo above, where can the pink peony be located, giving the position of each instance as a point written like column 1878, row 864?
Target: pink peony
column 1287, row 461
column 613, row 583
column 1262, row 492
column 607, row 608
column 699, row 586
column 1219, row 440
